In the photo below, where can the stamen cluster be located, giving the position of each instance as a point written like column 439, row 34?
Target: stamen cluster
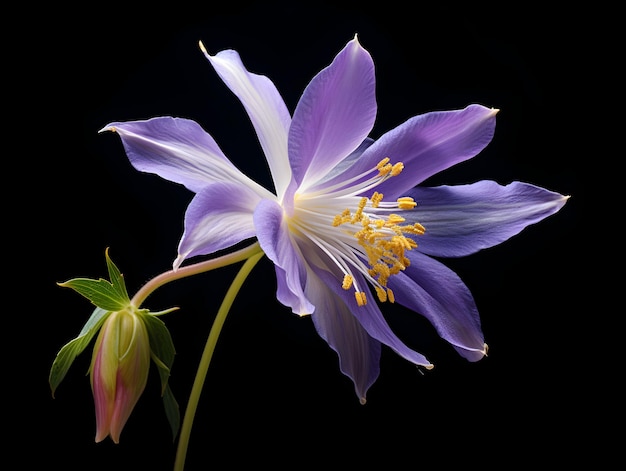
column 372, row 231
column 384, row 241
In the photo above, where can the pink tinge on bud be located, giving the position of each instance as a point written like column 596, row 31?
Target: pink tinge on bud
column 119, row 371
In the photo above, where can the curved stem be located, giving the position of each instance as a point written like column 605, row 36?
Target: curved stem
column 207, row 354
column 172, row 275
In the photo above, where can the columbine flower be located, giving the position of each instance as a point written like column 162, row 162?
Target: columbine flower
column 119, row 371
column 345, row 224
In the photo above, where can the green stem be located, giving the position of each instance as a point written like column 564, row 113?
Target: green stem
column 209, row 348
column 190, row 270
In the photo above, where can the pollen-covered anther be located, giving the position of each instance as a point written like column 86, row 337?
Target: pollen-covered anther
column 376, row 199
column 382, row 163
column 347, row 282
column 360, row 297
column 406, row 202
column 416, row 228
column 381, row 293
column 394, row 219
column 396, row 169
column 358, row 214
column 342, row 218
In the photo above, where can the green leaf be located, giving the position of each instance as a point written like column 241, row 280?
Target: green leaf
column 161, row 346
column 72, row 349
column 172, row 411
column 117, row 280
column 100, row 292
column 108, row 295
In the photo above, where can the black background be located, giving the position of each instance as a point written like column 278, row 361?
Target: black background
column 274, row 395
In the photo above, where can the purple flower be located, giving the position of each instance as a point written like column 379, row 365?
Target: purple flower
column 346, row 224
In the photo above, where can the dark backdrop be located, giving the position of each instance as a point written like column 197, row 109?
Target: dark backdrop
column 274, row 396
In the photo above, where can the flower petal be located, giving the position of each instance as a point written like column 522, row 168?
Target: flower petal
column 275, row 240
column 219, row 216
column 427, row 144
column 265, row 107
column 371, row 319
column 359, row 354
column 178, row 150
column 334, row 115
column 463, row 219
column 436, row 292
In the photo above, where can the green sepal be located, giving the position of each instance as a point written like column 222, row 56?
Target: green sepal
column 72, row 349
column 161, row 346
column 163, row 353
column 111, row 296
column 166, row 311
column 172, row 411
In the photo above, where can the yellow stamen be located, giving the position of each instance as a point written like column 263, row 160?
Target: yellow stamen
column 342, row 218
column 384, row 239
column 394, row 219
column 358, row 214
column 384, row 170
column 361, row 300
column 406, row 202
column 396, row 169
column 381, row 293
column 382, row 163
column 347, row 282
column 376, row 199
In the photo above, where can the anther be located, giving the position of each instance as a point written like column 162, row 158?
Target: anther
column 382, row 163
column 376, row 199
column 347, row 282
column 406, row 202
column 384, row 170
column 381, row 293
column 358, row 214
column 396, row 169
column 394, row 219
column 361, row 300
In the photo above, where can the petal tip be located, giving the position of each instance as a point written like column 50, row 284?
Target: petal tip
column 108, row 128
column 202, row 48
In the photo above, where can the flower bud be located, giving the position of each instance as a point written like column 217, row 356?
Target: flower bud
column 119, row 371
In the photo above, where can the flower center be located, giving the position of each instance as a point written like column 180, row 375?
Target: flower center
column 371, row 239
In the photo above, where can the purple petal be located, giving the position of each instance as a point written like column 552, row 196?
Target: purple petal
column 429, row 143
column 359, row 354
column 436, row 292
column 335, row 114
column 265, row 107
column 371, row 319
column 176, row 149
column 218, row 217
column 344, row 169
column 275, row 240
column 463, row 219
